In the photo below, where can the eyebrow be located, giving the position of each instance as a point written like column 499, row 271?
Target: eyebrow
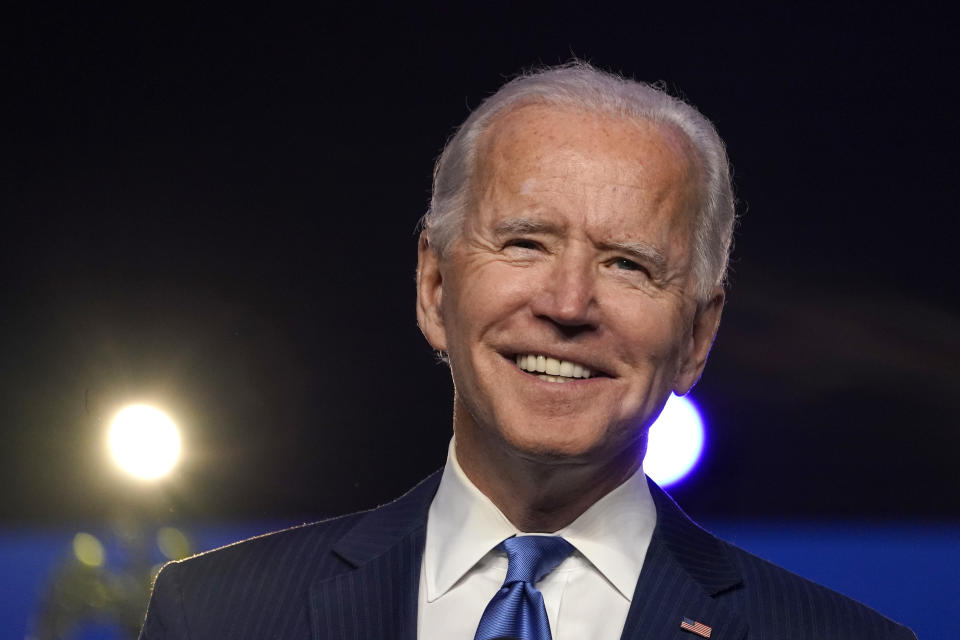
column 524, row 225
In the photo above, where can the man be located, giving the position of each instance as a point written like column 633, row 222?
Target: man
column 571, row 272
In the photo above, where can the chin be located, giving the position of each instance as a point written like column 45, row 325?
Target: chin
column 556, row 443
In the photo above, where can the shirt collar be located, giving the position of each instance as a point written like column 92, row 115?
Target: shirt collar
column 463, row 525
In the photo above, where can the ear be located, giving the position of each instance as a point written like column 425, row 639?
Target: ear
column 705, row 323
column 430, row 294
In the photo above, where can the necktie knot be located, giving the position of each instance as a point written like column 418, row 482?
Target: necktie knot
column 517, row 611
column 530, row 558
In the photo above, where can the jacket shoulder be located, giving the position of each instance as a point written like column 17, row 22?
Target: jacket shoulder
column 300, row 546
column 253, row 588
column 259, row 588
column 779, row 603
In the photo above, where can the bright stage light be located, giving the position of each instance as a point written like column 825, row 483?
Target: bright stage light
column 675, row 442
column 144, row 441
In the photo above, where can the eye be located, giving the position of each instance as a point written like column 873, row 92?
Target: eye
column 627, row 265
column 522, row 243
column 629, row 268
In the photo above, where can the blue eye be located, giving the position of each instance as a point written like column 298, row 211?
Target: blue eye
column 627, row 265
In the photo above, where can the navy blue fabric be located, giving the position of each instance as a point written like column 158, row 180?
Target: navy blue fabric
column 357, row 577
column 517, row 610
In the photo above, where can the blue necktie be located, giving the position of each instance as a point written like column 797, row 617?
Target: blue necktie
column 517, row 611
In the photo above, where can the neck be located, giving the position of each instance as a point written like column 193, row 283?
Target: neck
column 539, row 494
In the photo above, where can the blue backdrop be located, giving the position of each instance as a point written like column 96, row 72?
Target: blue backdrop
column 909, row 572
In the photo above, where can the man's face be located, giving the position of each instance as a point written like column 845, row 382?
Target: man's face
column 577, row 250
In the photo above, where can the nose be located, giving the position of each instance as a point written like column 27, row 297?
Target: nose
column 567, row 295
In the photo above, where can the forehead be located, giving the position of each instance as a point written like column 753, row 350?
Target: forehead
column 601, row 166
column 535, row 135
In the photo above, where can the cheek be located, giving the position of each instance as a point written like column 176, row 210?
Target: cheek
column 650, row 333
column 489, row 292
column 466, row 307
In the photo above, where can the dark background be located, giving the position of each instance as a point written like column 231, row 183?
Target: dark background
column 215, row 211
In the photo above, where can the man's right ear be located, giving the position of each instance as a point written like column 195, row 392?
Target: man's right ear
column 430, row 294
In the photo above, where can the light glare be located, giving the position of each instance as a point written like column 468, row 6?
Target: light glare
column 675, row 442
column 173, row 543
column 144, row 441
column 88, row 550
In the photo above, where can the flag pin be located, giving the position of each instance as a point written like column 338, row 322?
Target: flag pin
column 693, row 626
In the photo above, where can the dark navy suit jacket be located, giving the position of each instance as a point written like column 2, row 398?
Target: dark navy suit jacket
column 358, row 576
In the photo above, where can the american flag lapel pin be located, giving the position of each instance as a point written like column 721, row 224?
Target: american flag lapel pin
column 693, row 626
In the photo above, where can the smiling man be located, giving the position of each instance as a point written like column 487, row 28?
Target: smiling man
column 571, row 272
column 576, row 256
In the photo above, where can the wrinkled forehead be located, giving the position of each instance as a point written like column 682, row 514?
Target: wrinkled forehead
column 528, row 146
column 527, row 136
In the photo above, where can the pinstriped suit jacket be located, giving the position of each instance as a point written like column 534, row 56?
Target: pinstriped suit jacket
column 357, row 577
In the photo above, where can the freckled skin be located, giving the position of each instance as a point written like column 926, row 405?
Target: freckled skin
column 561, row 284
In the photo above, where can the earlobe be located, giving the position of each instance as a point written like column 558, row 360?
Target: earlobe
column 430, row 294
column 702, row 332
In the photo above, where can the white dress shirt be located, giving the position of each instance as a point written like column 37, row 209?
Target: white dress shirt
column 586, row 596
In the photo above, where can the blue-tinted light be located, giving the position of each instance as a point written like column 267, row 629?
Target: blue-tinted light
column 675, row 442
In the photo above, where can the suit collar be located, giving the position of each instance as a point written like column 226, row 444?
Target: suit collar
column 377, row 598
column 697, row 551
column 700, row 554
column 685, row 574
column 380, row 529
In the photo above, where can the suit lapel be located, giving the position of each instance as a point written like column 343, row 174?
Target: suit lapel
column 684, row 575
column 376, row 597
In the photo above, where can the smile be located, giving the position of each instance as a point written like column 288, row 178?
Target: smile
column 552, row 369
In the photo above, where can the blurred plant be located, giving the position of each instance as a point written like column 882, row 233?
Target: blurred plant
column 93, row 586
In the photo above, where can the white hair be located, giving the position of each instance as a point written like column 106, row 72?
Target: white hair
column 580, row 85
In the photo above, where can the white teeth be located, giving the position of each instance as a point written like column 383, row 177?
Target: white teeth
column 553, row 367
column 554, row 370
column 553, row 378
